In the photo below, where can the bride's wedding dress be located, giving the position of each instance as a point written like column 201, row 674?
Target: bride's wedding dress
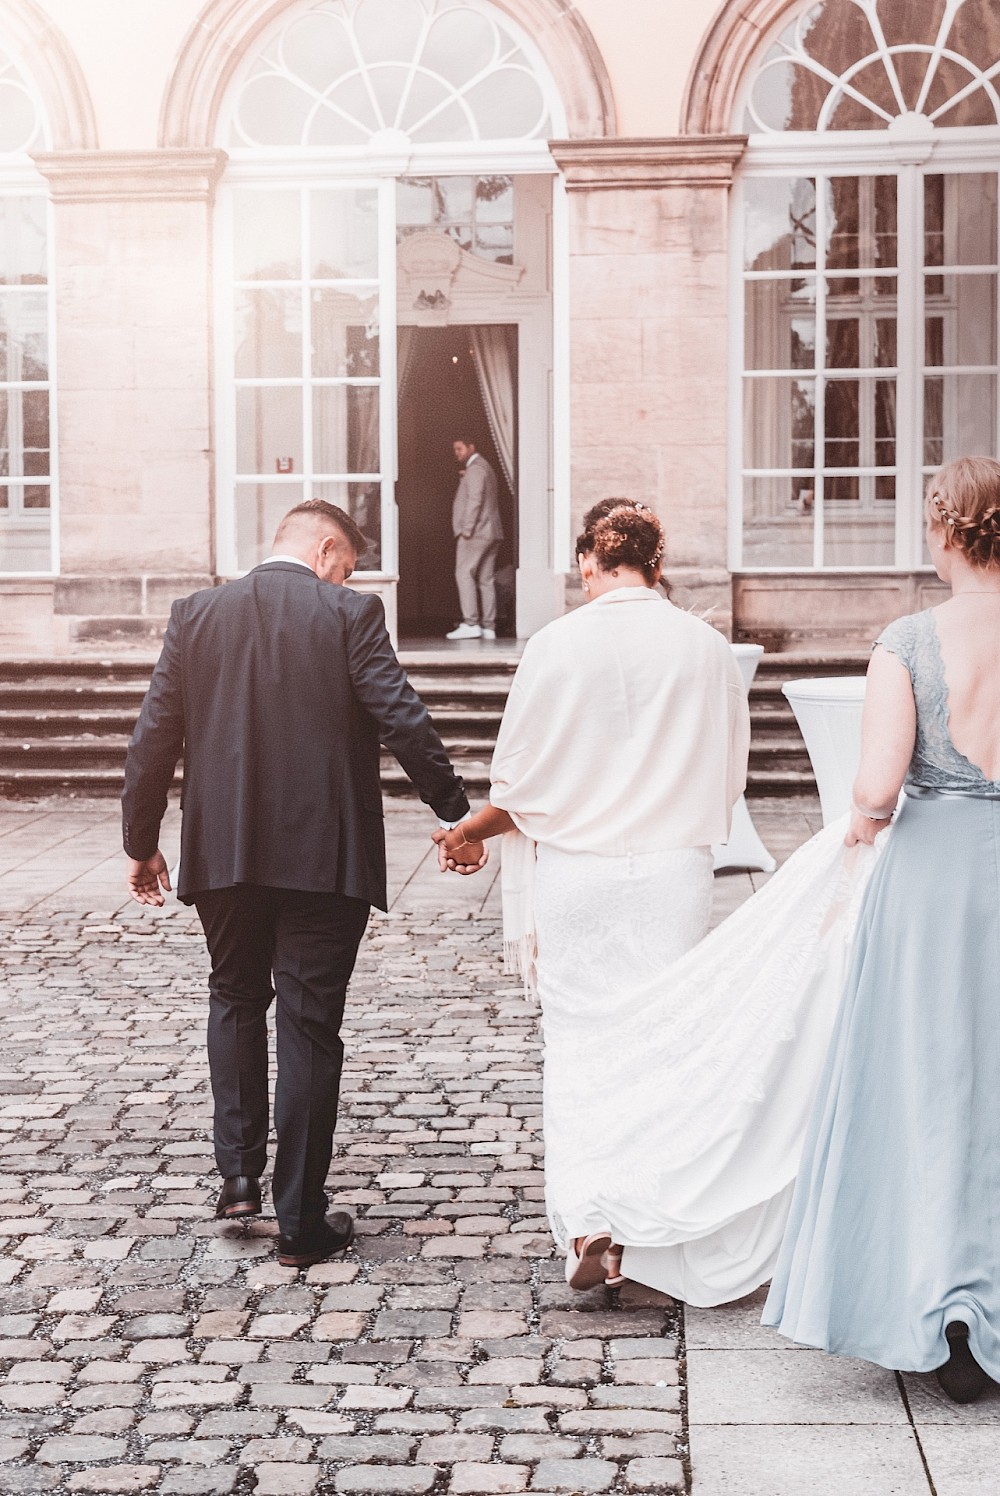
column 678, row 1086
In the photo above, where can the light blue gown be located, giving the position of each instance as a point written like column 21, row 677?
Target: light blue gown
column 894, row 1228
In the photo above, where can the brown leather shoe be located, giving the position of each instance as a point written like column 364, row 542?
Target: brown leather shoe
column 239, row 1196
column 334, row 1234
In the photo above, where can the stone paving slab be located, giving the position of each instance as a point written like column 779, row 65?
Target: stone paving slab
column 145, row 1347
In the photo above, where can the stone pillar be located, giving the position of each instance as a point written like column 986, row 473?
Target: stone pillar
column 649, row 355
column 132, row 233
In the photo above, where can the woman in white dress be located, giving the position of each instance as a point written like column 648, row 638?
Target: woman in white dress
column 622, row 750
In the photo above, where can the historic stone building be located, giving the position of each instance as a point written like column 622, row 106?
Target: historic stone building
column 741, row 264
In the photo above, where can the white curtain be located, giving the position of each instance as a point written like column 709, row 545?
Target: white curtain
column 493, row 349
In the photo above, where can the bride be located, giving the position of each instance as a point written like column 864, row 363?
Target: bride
column 674, row 1103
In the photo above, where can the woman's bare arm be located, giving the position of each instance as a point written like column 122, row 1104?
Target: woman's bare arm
column 888, row 733
column 461, row 849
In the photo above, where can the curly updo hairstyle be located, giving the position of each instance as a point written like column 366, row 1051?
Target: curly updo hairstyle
column 963, row 499
column 622, row 532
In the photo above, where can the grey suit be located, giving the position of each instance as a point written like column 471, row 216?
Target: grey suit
column 476, row 524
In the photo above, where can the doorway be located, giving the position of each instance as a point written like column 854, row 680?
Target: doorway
column 441, row 399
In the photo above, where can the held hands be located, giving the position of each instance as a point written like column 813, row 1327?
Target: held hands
column 145, row 879
column 456, row 855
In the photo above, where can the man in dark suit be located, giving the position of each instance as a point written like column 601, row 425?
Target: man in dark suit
column 278, row 688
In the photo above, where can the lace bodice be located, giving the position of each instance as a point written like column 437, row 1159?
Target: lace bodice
column 936, row 762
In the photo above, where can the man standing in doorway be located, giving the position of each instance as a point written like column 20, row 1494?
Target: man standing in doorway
column 475, row 522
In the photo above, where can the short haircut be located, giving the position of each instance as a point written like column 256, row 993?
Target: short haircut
column 321, row 511
column 466, row 439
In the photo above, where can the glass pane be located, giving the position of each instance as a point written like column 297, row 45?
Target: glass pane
column 885, row 422
column 961, row 320
column 344, row 234
column 960, row 218
column 885, row 342
column 494, row 200
column 267, row 232
column 363, row 502
column 24, row 336
column 780, row 222
column 857, row 529
column 779, row 423
column 259, row 508
column 269, row 430
column 269, row 334
column 456, row 198
column 863, row 289
column 345, row 338
column 785, row 96
column 35, row 418
column 5, row 434
column 495, row 241
column 507, row 105
column 843, row 343
column 272, row 111
column 778, row 521
column 23, row 259
column 959, row 416
column 416, row 202
column 842, row 424
column 37, row 496
column 780, row 324
column 346, row 429
column 861, row 213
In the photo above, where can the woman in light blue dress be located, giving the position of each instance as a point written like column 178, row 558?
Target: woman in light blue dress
column 892, row 1250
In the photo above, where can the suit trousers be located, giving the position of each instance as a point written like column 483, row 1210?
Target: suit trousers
column 475, row 575
column 309, row 943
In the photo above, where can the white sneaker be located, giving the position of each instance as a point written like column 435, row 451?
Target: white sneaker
column 489, row 633
column 466, row 631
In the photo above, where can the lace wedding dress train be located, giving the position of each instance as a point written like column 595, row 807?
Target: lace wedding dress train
column 681, row 1068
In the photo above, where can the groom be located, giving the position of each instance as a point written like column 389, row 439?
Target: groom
column 278, row 688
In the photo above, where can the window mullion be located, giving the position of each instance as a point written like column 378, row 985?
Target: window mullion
column 388, row 455
column 819, row 413
column 910, row 362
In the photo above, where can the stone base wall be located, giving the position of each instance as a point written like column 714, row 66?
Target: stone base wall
column 827, row 610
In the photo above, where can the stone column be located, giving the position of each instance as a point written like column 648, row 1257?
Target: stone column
column 649, row 356
column 132, row 233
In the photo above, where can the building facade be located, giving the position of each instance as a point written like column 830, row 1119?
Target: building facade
column 739, row 263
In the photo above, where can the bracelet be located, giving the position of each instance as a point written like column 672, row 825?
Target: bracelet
column 868, row 815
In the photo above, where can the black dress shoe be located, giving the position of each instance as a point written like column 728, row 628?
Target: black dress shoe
column 961, row 1376
column 239, row 1196
column 334, row 1234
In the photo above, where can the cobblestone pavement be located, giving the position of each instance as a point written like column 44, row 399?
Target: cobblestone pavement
column 145, row 1347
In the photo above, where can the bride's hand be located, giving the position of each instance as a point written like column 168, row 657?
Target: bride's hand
column 456, row 855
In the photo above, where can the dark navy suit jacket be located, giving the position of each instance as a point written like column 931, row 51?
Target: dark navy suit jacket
column 277, row 688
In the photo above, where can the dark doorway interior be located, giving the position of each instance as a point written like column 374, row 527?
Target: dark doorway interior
column 440, row 399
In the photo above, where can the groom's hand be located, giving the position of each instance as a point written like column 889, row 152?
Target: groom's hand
column 146, row 879
column 456, row 855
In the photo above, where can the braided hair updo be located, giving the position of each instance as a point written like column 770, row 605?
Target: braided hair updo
column 963, row 499
column 621, row 532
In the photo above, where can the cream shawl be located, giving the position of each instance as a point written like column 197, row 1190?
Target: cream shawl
column 626, row 731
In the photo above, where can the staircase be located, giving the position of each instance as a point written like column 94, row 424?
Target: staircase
column 65, row 724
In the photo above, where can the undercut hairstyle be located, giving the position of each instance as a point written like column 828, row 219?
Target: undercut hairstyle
column 963, row 499
column 622, row 532
column 319, row 511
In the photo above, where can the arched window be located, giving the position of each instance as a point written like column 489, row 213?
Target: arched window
column 867, row 222
column 355, row 124
column 26, row 468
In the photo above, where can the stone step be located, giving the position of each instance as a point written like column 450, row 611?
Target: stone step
column 65, row 724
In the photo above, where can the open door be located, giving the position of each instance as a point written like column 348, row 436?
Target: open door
column 446, row 394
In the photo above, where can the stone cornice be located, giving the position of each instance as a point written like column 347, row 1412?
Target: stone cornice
column 662, row 161
column 131, row 176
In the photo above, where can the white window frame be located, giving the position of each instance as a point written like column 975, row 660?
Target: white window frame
column 383, row 161
column 909, row 150
column 20, row 178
